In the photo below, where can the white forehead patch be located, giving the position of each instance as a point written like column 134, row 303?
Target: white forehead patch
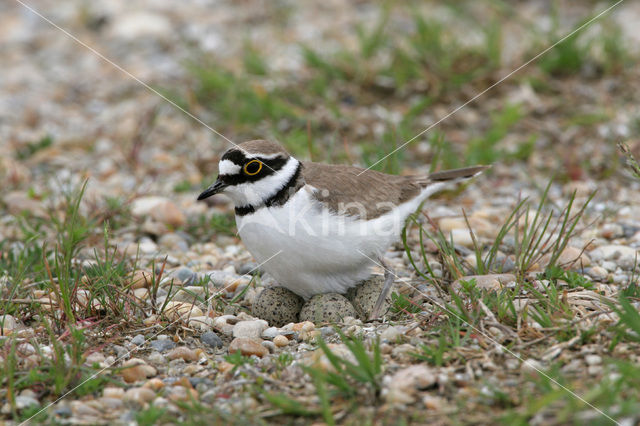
column 263, row 156
column 227, row 167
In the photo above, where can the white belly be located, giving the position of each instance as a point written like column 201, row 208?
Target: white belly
column 315, row 251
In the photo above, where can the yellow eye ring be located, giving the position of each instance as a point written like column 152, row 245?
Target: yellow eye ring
column 252, row 173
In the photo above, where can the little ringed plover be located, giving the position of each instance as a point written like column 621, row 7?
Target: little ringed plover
column 327, row 222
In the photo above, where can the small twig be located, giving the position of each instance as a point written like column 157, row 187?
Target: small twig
column 20, row 301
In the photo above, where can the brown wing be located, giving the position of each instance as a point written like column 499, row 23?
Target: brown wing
column 367, row 196
column 346, row 190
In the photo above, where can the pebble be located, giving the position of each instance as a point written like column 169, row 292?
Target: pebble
column 136, row 369
column 62, row 410
column 486, row 282
column 110, row 404
column 157, row 358
column 611, row 231
column 277, row 305
column 403, row 386
column 593, row 359
column 139, row 395
column 620, row 278
column 138, row 340
column 190, row 294
column 203, row 323
column 250, row 329
column 571, row 257
column 161, row 209
column 280, row 341
column 269, row 345
column 154, row 384
column 181, row 393
column 249, row 268
column 598, row 273
column 531, row 366
column 8, row 322
column 113, row 392
column 147, row 246
column 318, row 358
column 462, row 237
column 327, row 308
column 182, row 352
column 141, row 293
column 139, row 25
column 174, row 242
column 225, row 323
column 83, row 409
column 594, row 370
column 433, row 402
column 248, row 347
column 614, row 251
column 141, row 279
column 391, row 334
column 24, row 401
column 28, row 349
column 211, row 339
column 162, row 345
column 217, row 278
column 448, row 224
column 628, row 263
column 175, row 311
column 186, row 275
column 270, row 333
column 95, row 357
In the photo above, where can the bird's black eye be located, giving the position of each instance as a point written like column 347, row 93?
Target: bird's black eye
column 253, row 167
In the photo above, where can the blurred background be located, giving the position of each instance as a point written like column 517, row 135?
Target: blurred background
column 342, row 82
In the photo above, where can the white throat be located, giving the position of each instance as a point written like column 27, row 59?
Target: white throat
column 256, row 193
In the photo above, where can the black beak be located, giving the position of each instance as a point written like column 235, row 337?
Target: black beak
column 217, row 186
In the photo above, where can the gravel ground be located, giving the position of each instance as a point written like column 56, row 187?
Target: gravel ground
column 185, row 297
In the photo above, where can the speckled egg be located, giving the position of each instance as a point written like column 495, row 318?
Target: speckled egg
column 364, row 296
column 277, row 305
column 327, row 308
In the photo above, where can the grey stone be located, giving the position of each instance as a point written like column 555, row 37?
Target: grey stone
column 138, row 340
column 269, row 345
column 162, row 345
column 121, row 351
column 186, row 275
column 63, row 411
column 217, row 277
column 327, row 331
column 25, row 401
column 211, row 339
column 620, row 278
column 248, row 268
column 173, row 241
column 270, row 333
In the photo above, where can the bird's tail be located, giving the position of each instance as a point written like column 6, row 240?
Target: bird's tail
column 452, row 175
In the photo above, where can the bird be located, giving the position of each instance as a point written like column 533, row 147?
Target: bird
column 320, row 228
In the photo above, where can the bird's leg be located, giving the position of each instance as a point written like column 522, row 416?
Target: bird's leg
column 389, row 274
